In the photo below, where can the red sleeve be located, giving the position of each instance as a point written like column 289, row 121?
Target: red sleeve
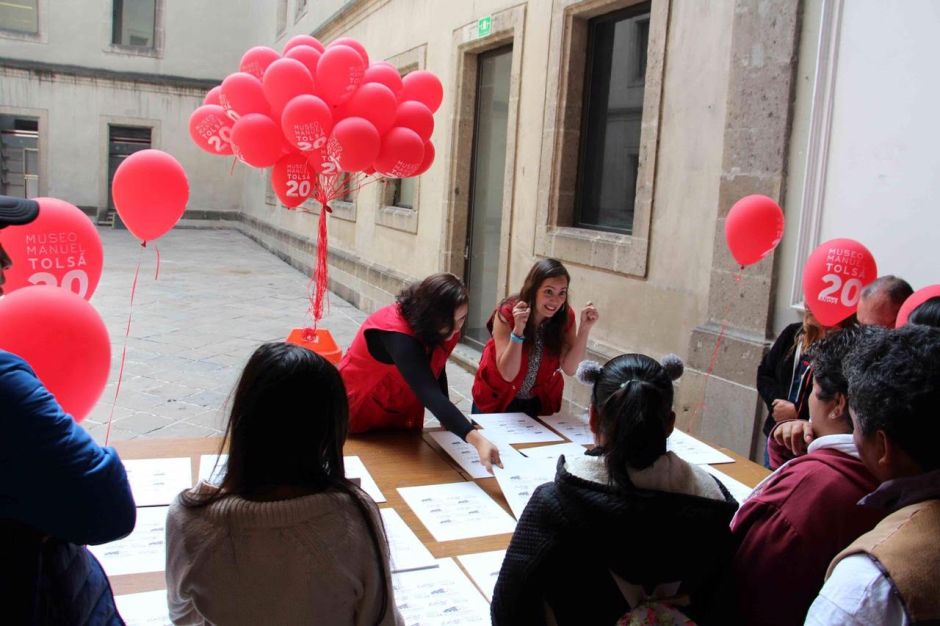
column 775, row 572
column 778, row 453
column 505, row 310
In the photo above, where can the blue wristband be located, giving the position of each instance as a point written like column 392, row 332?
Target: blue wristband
column 513, row 337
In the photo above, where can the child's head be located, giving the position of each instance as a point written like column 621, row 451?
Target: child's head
column 288, row 422
column 631, row 409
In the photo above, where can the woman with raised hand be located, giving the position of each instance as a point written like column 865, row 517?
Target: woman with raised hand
column 285, row 538
column 533, row 336
column 630, row 530
column 394, row 368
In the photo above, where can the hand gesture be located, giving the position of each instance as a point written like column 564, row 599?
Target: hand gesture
column 520, row 317
column 783, row 410
column 794, row 436
column 589, row 315
column 489, row 453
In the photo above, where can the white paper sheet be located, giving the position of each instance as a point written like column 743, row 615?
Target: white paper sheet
column 739, row 490
column 407, row 551
column 355, row 468
column 144, row 550
column 144, row 609
column 442, row 595
column 691, row 450
column 514, row 428
column 552, row 452
column 483, row 568
column 463, row 453
column 457, row 511
column 158, row 481
column 208, row 462
column 519, row 480
column 574, row 428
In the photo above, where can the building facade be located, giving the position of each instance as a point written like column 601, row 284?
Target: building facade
column 613, row 135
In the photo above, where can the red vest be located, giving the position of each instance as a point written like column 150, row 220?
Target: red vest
column 379, row 397
column 491, row 392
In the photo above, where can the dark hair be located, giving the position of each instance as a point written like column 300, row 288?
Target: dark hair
column 553, row 329
column 897, row 289
column 894, row 386
column 827, row 356
column 429, row 306
column 287, row 426
column 632, row 400
column 927, row 313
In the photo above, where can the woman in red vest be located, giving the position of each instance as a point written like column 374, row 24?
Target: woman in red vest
column 533, row 335
column 394, row 368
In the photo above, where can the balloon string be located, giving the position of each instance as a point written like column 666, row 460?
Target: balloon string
column 127, row 332
column 156, row 275
column 714, row 358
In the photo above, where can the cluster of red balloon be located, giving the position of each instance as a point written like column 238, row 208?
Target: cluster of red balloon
column 313, row 112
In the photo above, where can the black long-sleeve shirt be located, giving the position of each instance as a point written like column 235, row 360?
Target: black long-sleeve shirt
column 411, row 359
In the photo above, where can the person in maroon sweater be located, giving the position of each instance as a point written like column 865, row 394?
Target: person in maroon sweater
column 803, row 514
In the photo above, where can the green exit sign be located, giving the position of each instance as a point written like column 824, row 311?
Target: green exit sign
column 484, row 26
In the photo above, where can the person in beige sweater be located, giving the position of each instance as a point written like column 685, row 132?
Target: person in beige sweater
column 284, row 538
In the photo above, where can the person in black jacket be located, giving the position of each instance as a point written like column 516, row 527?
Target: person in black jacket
column 630, row 528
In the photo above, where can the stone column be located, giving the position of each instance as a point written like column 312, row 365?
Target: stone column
column 765, row 39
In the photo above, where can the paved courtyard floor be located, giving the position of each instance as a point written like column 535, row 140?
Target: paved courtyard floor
column 218, row 296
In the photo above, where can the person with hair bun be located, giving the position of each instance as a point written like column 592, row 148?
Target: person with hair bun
column 629, row 529
column 394, row 368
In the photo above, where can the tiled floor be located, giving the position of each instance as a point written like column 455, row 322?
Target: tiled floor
column 218, row 296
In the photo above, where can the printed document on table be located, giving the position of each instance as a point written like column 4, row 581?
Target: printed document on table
column 574, row 428
column 552, row 452
column 212, row 467
column 457, row 511
column 441, row 595
column 514, row 428
column 158, row 481
column 483, row 568
column 144, row 609
column 519, row 480
column 406, row 550
column 355, row 468
column 691, row 450
column 144, row 550
column 739, row 490
column 462, row 452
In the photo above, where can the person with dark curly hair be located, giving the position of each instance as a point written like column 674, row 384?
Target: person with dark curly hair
column 394, row 368
column 927, row 313
column 806, row 511
column 630, row 529
column 889, row 575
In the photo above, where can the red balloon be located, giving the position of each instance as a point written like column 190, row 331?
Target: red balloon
column 257, row 60
column 416, row 116
column 257, row 140
column 307, row 123
column 150, row 192
column 401, row 155
column 63, row 339
column 913, row 301
column 212, row 96
column 303, row 40
column 293, row 179
column 355, row 45
column 243, row 94
column 374, row 102
column 384, row 74
column 339, row 74
column 61, row 248
column 307, row 55
column 428, row 159
column 353, row 146
column 211, row 129
column 833, row 279
column 753, row 228
column 423, row 86
column 284, row 80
